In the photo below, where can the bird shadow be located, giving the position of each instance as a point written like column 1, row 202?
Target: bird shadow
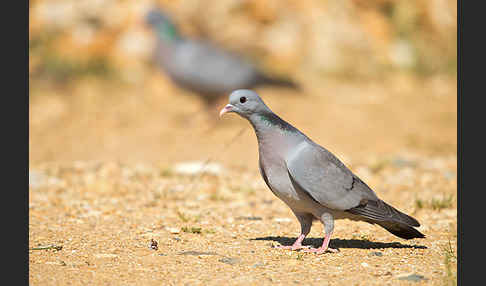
column 341, row 243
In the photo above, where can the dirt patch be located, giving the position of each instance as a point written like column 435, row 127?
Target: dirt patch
column 109, row 202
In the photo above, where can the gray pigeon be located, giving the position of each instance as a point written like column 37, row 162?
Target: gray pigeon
column 200, row 66
column 310, row 179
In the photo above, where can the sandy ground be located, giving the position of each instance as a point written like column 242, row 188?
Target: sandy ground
column 110, row 204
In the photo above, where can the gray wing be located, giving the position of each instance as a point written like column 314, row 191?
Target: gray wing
column 208, row 69
column 324, row 178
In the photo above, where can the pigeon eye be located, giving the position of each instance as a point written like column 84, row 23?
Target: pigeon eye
column 242, row 99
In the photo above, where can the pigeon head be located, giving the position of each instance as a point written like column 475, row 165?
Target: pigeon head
column 245, row 103
column 161, row 23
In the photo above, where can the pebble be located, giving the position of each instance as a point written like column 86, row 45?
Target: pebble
column 411, row 277
column 230, row 260
column 173, row 230
column 60, row 262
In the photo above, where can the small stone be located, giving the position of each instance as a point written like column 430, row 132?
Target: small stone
column 376, row 253
column 173, row 230
column 282, row 219
column 59, row 262
column 364, row 264
column 411, row 277
column 229, row 260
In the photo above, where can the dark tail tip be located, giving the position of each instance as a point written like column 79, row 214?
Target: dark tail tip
column 401, row 230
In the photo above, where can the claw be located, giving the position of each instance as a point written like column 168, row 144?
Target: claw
column 321, row 250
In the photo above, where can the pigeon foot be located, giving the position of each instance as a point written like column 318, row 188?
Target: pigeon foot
column 321, row 250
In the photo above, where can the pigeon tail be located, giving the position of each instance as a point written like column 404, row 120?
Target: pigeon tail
column 389, row 218
column 276, row 81
column 401, row 230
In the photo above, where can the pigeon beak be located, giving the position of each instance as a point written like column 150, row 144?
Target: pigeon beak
column 227, row 108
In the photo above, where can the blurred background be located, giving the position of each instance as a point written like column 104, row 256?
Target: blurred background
column 377, row 78
column 115, row 141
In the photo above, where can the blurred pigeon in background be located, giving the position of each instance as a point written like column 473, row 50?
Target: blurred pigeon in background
column 202, row 67
column 310, row 179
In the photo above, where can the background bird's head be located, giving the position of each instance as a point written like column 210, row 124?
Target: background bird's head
column 161, row 24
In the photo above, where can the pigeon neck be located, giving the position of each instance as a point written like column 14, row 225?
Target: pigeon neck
column 269, row 121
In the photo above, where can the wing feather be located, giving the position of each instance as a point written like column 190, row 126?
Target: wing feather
column 326, row 179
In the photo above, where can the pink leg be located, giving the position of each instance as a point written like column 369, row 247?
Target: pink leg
column 325, row 246
column 297, row 244
column 305, row 220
